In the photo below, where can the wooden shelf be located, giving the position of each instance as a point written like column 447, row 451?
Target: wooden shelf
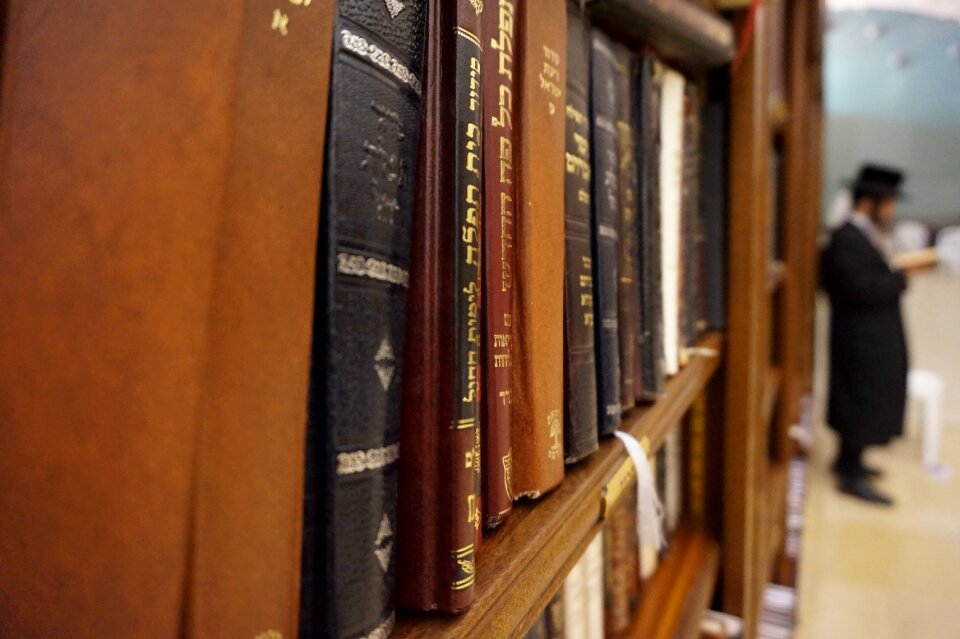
column 771, row 391
column 685, row 34
column 522, row 564
column 776, row 276
column 680, row 591
column 777, row 478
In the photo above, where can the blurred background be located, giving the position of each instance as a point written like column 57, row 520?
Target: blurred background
column 892, row 96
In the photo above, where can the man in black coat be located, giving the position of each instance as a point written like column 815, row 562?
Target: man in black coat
column 868, row 349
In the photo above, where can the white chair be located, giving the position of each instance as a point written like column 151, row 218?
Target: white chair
column 948, row 246
column 925, row 388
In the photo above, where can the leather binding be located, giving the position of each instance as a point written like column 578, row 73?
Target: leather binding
column 606, row 226
column 440, row 488
column 580, row 364
column 621, row 565
column 691, row 234
column 363, row 266
column 245, row 574
column 112, row 167
column 713, row 211
column 499, row 257
column 650, row 555
column 651, row 290
column 537, row 426
column 629, row 266
column 671, row 182
column 673, row 488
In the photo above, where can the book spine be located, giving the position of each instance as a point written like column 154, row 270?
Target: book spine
column 117, row 126
column 671, row 200
column 651, row 313
column 606, row 225
column 690, row 216
column 673, row 486
column 580, row 367
column 593, row 578
column 248, row 513
column 621, row 565
column 554, row 615
column 575, row 601
column 630, row 274
column 363, row 279
column 499, row 258
column 440, row 474
column 537, row 426
column 713, row 200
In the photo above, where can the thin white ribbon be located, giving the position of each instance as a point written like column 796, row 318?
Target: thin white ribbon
column 649, row 507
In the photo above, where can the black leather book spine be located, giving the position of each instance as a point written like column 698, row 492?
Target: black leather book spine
column 580, row 425
column 606, row 225
column 630, row 376
column 360, row 320
column 713, row 211
column 651, row 314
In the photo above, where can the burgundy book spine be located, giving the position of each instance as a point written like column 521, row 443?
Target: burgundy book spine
column 439, row 501
column 499, row 231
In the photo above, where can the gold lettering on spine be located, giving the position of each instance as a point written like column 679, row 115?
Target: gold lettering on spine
column 550, row 77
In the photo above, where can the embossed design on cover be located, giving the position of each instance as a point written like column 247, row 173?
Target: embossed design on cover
column 394, row 7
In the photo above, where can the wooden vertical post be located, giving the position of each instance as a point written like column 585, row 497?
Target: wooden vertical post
column 749, row 309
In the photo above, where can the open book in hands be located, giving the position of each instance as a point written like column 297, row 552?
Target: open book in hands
column 916, row 260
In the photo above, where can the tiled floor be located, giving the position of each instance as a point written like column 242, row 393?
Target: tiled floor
column 873, row 573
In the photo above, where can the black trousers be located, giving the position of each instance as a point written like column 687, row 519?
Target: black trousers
column 849, row 458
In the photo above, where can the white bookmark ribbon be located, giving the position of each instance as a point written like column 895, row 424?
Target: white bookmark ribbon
column 649, row 507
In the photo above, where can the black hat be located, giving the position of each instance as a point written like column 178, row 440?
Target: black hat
column 878, row 181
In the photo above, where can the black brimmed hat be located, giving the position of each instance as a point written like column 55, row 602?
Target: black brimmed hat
column 878, row 181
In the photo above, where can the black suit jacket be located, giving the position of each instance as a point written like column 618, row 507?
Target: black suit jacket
column 868, row 350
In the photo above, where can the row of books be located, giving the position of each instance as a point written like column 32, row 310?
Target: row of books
column 521, row 237
column 602, row 592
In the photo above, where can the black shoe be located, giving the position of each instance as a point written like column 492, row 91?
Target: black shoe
column 863, row 471
column 859, row 487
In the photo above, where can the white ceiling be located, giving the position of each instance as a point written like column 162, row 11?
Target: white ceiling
column 942, row 9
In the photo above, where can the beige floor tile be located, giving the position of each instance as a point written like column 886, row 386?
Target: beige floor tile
column 868, row 572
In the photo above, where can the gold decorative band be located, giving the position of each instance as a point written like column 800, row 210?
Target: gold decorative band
column 464, row 424
column 469, row 35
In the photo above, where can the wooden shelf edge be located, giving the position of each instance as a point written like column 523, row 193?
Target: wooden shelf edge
column 777, row 275
column 521, row 564
column 685, row 34
column 777, row 478
column 771, row 391
column 680, row 591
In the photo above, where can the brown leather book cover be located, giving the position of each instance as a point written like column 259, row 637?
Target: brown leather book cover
column 499, row 255
column 117, row 130
column 439, row 507
column 537, row 428
column 622, row 565
column 245, row 577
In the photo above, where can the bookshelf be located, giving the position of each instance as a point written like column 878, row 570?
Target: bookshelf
column 522, row 564
column 775, row 102
column 748, row 381
column 752, row 388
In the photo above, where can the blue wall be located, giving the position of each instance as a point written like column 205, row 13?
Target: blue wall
column 908, row 117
